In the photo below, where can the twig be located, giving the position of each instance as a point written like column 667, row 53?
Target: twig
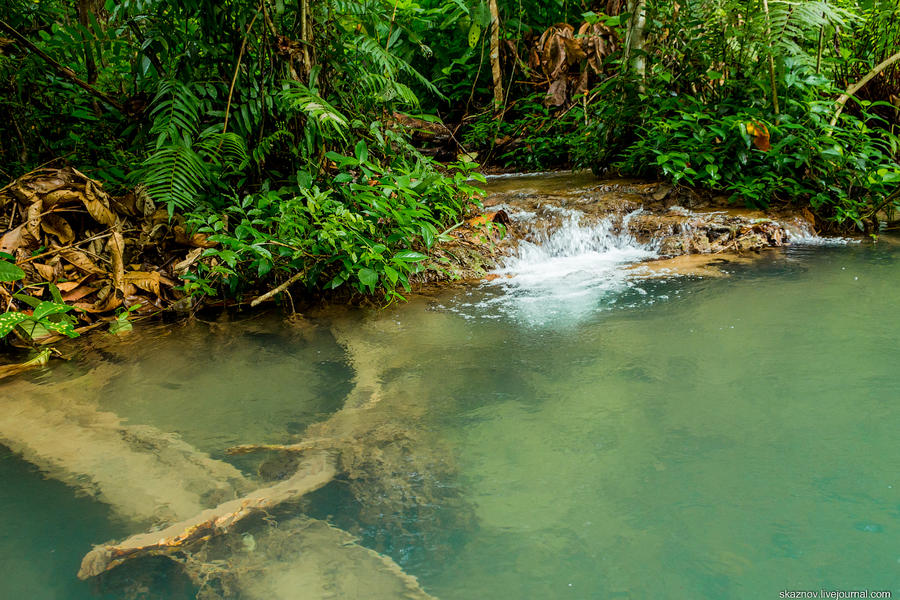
column 304, row 446
column 842, row 101
column 237, row 68
column 391, row 28
column 274, row 292
column 69, row 247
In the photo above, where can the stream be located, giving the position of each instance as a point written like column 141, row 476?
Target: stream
column 589, row 431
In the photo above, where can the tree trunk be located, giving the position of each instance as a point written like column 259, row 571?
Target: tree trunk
column 772, row 82
column 634, row 40
column 495, row 57
column 851, row 91
column 305, row 34
column 85, row 8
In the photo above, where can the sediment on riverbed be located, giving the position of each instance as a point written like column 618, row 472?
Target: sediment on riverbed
column 239, row 534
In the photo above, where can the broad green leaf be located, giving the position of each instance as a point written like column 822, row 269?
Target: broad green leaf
column 120, row 325
column 8, row 322
column 362, row 151
column 409, row 256
column 392, row 274
column 10, row 271
column 62, row 327
column 367, row 277
column 474, row 35
column 45, row 309
column 29, row 300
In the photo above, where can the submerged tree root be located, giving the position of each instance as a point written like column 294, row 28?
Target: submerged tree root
column 298, row 558
column 144, row 474
column 249, row 544
column 315, row 472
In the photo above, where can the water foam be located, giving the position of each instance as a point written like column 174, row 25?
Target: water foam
column 566, row 274
column 575, row 258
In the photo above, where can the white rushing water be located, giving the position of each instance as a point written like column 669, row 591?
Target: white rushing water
column 578, row 267
column 574, row 259
column 568, row 272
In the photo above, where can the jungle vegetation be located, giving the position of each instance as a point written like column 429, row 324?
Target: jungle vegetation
column 332, row 142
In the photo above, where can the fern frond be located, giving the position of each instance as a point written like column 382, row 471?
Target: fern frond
column 385, row 89
column 388, row 64
column 227, row 151
column 794, row 24
column 175, row 113
column 349, row 7
column 265, row 145
column 300, row 97
column 174, row 175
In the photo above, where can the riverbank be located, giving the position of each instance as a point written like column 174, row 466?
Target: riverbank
column 116, row 259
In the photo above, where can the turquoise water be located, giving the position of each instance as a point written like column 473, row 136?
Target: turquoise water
column 681, row 438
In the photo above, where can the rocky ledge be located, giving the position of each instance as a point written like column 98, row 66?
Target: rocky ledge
column 686, row 230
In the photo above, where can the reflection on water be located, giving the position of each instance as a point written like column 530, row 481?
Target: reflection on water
column 726, row 438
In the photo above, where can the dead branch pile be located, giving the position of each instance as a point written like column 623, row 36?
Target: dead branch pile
column 567, row 61
column 102, row 252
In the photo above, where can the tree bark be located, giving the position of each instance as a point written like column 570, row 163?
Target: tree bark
column 634, row 40
column 495, row 57
column 772, row 81
column 305, row 34
column 316, row 472
column 85, row 8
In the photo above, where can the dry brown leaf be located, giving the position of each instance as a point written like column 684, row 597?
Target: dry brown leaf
column 12, row 240
column 116, row 246
column 198, row 240
column 80, row 260
column 556, row 95
column 63, row 196
column 146, row 280
column 68, row 286
column 499, row 216
column 184, row 265
column 43, row 183
column 58, row 226
column 574, row 51
column 46, row 271
column 33, row 219
column 109, row 301
column 97, row 204
column 760, row 135
column 143, row 202
column 77, row 293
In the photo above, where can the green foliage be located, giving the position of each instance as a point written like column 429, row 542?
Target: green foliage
column 121, row 324
column 9, row 271
column 368, row 230
column 47, row 318
column 704, row 115
column 279, row 138
column 531, row 137
column 183, row 163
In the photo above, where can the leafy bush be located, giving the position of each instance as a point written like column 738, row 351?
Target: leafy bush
column 725, row 136
column 367, row 229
